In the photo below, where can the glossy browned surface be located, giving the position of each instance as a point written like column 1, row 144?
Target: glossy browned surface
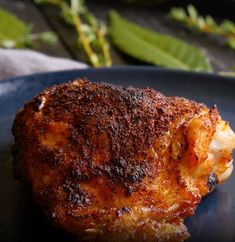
column 113, row 163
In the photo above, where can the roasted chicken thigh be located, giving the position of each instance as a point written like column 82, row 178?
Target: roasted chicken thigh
column 109, row 163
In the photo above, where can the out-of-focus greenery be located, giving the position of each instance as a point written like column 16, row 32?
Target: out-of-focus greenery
column 91, row 32
column 155, row 48
column 145, row 2
column 228, row 73
column 14, row 33
column 195, row 22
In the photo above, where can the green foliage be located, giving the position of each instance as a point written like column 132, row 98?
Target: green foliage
column 91, row 32
column 14, row 33
column 155, row 48
column 193, row 21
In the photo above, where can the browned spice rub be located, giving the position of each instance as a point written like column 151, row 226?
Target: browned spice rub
column 111, row 163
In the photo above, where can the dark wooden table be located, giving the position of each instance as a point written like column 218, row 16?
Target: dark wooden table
column 154, row 17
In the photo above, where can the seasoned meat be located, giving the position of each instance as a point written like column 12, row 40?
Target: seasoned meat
column 110, row 163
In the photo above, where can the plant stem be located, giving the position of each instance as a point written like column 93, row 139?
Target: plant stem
column 89, row 30
column 100, row 33
column 90, row 53
column 193, row 21
column 105, row 48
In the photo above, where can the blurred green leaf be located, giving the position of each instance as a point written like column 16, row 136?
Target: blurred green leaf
column 210, row 22
column 231, row 43
column 178, row 13
column 193, row 21
column 155, row 48
column 46, row 37
column 14, row 33
column 192, row 12
column 228, row 26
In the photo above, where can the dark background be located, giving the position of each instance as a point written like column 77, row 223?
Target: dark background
column 153, row 16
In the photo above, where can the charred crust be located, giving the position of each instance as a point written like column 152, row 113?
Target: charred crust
column 212, row 181
column 123, row 121
column 127, row 171
column 110, row 132
column 121, row 211
column 52, row 158
column 129, row 190
column 76, row 195
column 37, row 102
column 79, row 175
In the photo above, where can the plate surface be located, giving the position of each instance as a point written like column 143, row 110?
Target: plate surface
column 22, row 220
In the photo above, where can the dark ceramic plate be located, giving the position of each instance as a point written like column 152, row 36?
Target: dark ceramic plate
column 22, row 220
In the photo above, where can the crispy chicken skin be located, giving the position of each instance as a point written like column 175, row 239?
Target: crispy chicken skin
column 109, row 163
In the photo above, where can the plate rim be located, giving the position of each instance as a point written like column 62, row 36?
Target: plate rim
column 129, row 68
column 168, row 72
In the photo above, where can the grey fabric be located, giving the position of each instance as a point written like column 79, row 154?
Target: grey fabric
column 14, row 62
